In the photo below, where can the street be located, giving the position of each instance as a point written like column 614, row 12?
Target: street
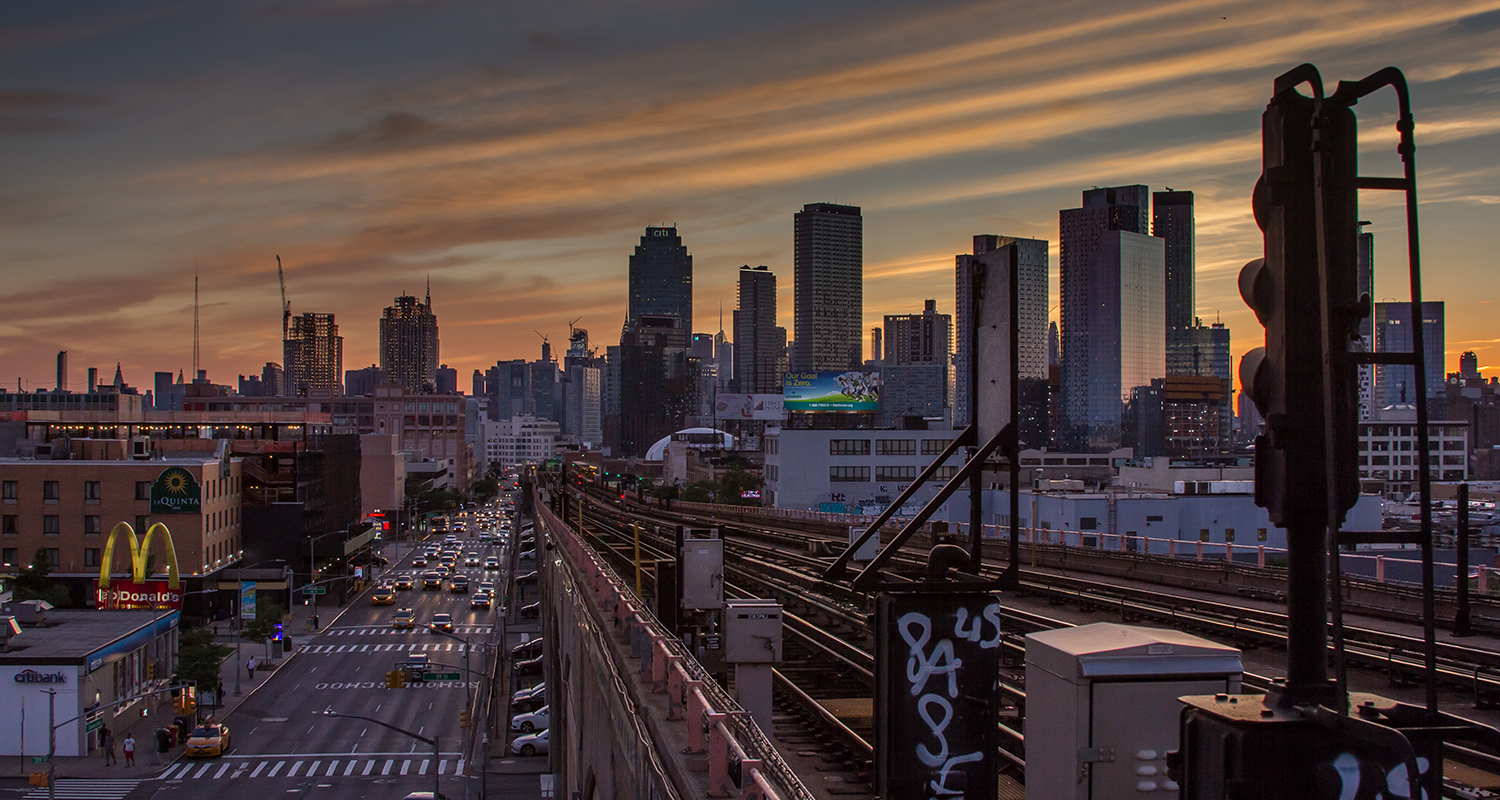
column 282, row 741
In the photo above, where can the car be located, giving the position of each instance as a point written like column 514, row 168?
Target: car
column 458, row 584
column 432, row 580
column 419, row 561
column 532, row 744
column 383, row 596
column 534, row 721
column 403, row 582
column 208, row 739
column 479, row 600
column 425, row 796
column 488, row 587
column 530, row 649
column 450, row 538
column 492, row 563
column 527, row 577
column 531, row 666
column 532, row 611
column 441, row 622
column 405, row 620
column 528, row 555
column 539, row 691
column 471, row 560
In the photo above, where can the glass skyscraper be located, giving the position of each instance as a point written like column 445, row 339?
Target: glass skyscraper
column 661, row 277
column 828, row 288
column 1395, row 384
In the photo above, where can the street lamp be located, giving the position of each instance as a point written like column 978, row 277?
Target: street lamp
column 312, row 573
column 239, row 613
column 437, row 778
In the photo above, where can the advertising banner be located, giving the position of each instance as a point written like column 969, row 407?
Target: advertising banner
column 247, row 599
column 157, row 595
column 176, row 491
column 748, row 406
column 831, row 391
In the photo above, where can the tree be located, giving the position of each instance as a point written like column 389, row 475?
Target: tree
column 486, row 489
column 32, row 583
column 199, row 657
column 263, row 626
column 700, row 492
column 733, row 484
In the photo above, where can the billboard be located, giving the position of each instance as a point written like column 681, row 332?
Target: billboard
column 748, row 406
column 176, row 491
column 247, row 599
column 831, row 391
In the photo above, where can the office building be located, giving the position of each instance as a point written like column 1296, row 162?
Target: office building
column 994, row 254
column 759, row 344
column 1396, row 384
column 409, row 343
column 313, row 354
column 1113, row 317
column 724, row 358
column 661, row 277
column 1468, row 366
column 877, row 346
column 582, row 404
column 913, row 391
column 1389, row 459
column 828, row 288
column 520, row 440
column 362, row 382
column 508, row 385
column 658, row 389
column 1172, row 222
column 447, row 379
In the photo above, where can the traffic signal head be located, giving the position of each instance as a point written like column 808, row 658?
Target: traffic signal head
column 463, row 718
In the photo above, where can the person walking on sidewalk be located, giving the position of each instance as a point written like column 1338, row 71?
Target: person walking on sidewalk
column 129, row 750
column 107, row 741
column 250, row 665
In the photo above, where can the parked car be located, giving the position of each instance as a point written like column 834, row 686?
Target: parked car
column 212, row 739
column 534, row 721
column 530, row 649
column 528, row 555
column 532, row 611
column 529, row 577
column 531, row 666
column 532, row 744
column 537, row 692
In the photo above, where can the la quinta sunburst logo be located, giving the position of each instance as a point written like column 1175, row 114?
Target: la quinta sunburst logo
column 176, row 491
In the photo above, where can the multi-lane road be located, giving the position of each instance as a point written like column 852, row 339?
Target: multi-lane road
column 282, row 742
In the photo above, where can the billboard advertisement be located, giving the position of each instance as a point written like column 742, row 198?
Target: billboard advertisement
column 247, row 599
column 176, row 491
column 831, row 391
column 748, row 406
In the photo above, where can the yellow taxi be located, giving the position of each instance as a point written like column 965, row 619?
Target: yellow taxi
column 208, row 739
column 383, row 596
column 405, row 620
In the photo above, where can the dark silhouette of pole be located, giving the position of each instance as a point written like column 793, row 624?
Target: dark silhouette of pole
column 436, row 756
column 1461, row 614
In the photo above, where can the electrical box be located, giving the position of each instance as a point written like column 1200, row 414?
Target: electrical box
column 1111, row 711
column 752, row 632
column 702, row 574
column 870, row 548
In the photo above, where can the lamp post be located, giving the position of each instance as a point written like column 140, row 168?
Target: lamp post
column 239, row 614
column 484, row 673
column 437, row 777
column 312, row 574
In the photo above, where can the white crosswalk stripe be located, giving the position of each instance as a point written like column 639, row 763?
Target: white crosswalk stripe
column 334, row 649
column 86, row 789
column 386, row 630
column 250, row 768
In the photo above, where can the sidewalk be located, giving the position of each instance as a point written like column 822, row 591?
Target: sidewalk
column 148, row 763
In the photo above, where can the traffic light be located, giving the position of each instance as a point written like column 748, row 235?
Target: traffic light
column 463, row 718
column 1285, row 377
column 150, row 670
column 395, row 679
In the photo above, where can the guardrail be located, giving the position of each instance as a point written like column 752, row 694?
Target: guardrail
column 739, row 754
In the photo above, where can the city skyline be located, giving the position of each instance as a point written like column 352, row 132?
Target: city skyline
column 500, row 170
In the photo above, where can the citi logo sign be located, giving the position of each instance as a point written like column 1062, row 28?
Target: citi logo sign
column 32, row 676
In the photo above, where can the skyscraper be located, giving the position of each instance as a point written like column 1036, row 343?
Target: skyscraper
column 409, row 344
column 994, row 253
column 828, row 288
column 1172, row 222
column 1113, row 280
column 758, row 351
column 661, row 277
column 1396, row 384
column 313, row 354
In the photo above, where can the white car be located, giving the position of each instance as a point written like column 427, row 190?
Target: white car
column 539, row 690
column 535, row 721
column 534, row 744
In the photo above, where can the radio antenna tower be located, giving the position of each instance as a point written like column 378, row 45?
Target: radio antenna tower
column 195, row 323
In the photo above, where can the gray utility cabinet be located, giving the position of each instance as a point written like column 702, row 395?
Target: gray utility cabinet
column 1102, row 709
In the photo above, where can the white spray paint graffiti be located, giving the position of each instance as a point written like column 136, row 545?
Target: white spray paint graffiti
column 935, row 709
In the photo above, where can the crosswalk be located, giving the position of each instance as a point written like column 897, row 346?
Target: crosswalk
column 254, row 767
column 332, row 649
column 386, row 630
column 85, row 789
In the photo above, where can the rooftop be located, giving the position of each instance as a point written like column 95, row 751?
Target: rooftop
column 72, row 635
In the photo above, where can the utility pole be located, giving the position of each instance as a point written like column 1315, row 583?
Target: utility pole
column 51, row 745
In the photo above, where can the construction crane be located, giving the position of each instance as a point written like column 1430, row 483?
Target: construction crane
column 286, row 307
column 539, row 333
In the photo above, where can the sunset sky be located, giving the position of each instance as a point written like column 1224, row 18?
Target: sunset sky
column 514, row 152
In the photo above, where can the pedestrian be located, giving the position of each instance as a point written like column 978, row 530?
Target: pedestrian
column 129, row 750
column 108, row 742
column 250, row 665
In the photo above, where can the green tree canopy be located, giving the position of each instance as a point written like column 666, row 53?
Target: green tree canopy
column 33, row 583
column 199, row 657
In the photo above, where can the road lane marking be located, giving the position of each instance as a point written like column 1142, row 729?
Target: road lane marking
column 258, row 768
column 349, row 770
column 201, row 771
column 169, row 771
column 369, row 765
column 388, row 765
column 422, row 770
column 333, row 765
column 292, row 773
column 184, row 771
column 276, row 769
column 222, row 770
column 405, row 766
column 459, row 770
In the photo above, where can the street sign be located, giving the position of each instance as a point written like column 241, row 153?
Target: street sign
column 440, row 676
column 39, row 759
column 315, row 590
column 93, row 725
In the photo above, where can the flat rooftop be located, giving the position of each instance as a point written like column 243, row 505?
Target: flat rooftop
column 72, row 635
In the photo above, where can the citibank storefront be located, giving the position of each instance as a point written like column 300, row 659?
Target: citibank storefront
column 82, row 662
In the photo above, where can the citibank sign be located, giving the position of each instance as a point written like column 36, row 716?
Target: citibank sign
column 32, row 676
